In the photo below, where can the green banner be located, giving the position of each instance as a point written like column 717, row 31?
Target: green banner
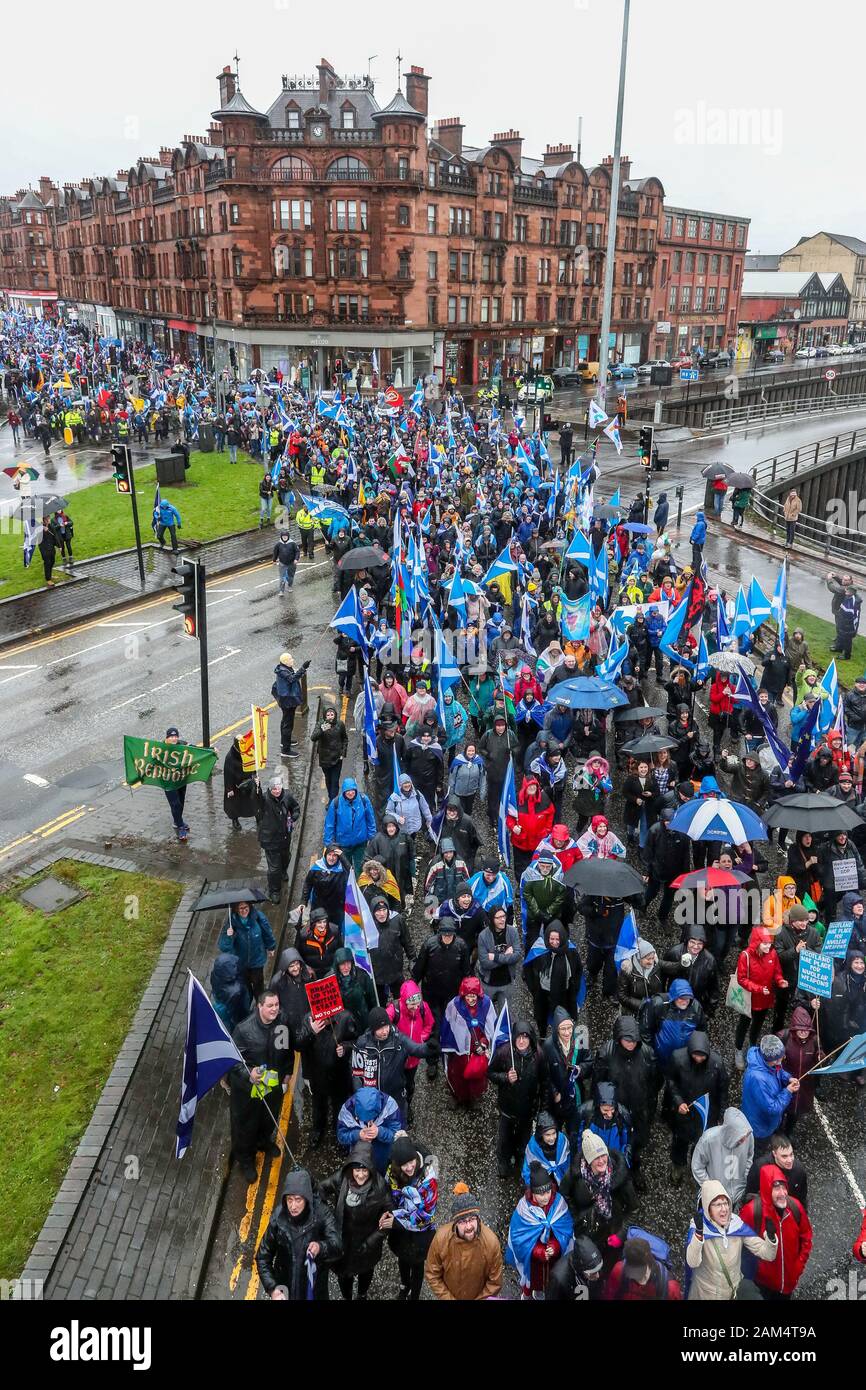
column 153, row 764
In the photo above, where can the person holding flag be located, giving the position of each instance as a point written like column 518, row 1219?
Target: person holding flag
column 715, row 1244
column 299, row 1245
column 519, row 1073
column 258, row 1082
column 695, row 1097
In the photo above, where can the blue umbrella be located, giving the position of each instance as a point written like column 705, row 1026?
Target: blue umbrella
column 587, row 692
column 712, row 818
column 638, row 528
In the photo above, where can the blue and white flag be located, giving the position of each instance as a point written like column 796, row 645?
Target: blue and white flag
column 32, row 532
column 674, row 625
column 596, row 415
column 599, row 582
column 503, row 1027
column 742, row 617
column 702, row 665
column 759, row 605
column 574, row 618
column 851, row 1058
column 613, row 434
column 580, row 549
column 552, row 497
column 370, row 722
column 507, row 807
column 449, row 671
column 616, row 499
column 610, row 668
column 723, row 631
column 777, row 747
column 626, row 942
column 503, row 564
column 701, row 1107
column 397, row 773
column 830, row 703
column 208, row 1054
column 524, row 634
column 802, row 749
column 417, row 402
column 780, row 602
column 349, row 620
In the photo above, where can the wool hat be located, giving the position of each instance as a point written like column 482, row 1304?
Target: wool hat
column 592, row 1146
column 798, row 914
column 377, row 1018
column 403, row 1150
column 172, row 732
column 539, row 1178
column 772, row 1048
column 463, row 1203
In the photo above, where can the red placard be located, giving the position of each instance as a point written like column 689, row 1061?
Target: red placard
column 325, row 998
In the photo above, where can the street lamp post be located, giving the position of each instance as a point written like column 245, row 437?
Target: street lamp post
column 611, row 227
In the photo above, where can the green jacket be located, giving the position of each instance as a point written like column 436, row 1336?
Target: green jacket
column 359, row 995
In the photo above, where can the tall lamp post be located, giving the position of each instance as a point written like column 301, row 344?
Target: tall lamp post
column 604, row 349
column 213, row 320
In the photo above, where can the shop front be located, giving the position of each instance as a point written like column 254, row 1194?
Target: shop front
column 314, row 360
column 183, row 338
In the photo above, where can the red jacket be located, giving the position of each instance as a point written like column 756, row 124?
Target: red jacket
column 860, row 1241
column 755, row 972
column 720, row 695
column 521, row 685
column 793, row 1232
column 637, row 1293
column 535, row 817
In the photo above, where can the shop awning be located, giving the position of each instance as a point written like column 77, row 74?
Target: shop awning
column 181, row 326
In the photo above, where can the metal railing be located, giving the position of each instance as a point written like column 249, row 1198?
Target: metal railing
column 781, row 412
column 788, row 464
column 813, row 532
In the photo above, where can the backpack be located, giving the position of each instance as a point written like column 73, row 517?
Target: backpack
column 661, row 1253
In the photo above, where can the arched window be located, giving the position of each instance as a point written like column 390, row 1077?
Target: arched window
column 291, row 169
column 348, row 169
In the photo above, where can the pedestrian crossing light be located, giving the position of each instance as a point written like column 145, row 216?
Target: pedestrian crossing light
column 188, row 590
column 645, row 446
column 122, row 469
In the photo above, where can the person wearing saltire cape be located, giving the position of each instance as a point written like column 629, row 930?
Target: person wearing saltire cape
column 466, row 1039
column 714, row 1247
column 540, row 1232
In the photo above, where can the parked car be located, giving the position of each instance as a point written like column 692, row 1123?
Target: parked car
column 834, row 349
column 805, row 352
column 588, row 371
column 683, row 361
column 822, row 352
column 622, row 372
column 774, row 355
column 566, row 376
column 645, row 368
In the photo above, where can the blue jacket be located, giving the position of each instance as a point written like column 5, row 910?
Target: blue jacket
column 699, row 530
column 250, row 940
column 765, row 1099
column 655, row 626
column 349, row 823
column 370, row 1106
column 168, row 515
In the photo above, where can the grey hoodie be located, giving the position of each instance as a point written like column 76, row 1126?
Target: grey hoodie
column 719, row 1156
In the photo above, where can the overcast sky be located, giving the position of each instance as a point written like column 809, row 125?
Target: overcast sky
column 731, row 105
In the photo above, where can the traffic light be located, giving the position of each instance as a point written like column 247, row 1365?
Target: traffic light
column 189, row 590
column 84, row 385
column 645, row 445
column 122, row 468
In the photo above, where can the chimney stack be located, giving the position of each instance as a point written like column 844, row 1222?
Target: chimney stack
column 624, row 166
column 228, row 85
column 327, row 81
column 558, row 154
column 512, row 141
column 449, row 132
column 417, row 84
column 165, row 156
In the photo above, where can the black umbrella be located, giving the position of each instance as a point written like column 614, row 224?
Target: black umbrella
column 714, row 471
column 227, row 897
column 648, row 743
column 811, row 811
column 366, row 557
column 741, row 480
column 635, row 713
column 605, row 878
column 42, row 504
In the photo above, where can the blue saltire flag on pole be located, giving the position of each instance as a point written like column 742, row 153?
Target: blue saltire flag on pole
column 598, row 579
column 701, row 1107
column 702, row 664
column 610, row 668
column 503, row 564
column 575, row 616
column 851, row 1058
column 723, row 631
column 780, row 601
column 742, row 617
column 348, row 620
column 779, row 750
column 830, row 686
column 616, row 499
column 613, row 434
column 626, row 942
column 580, row 549
column 759, row 605
column 503, row 1028
column 525, row 634
column 370, row 722
column 397, row 772
column 507, row 807
column 674, row 625
column 208, row 1054
column 449, row 671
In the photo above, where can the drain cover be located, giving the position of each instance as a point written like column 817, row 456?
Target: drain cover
column 51, row 895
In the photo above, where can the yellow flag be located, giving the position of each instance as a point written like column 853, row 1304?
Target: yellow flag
column 362, row 496
column 254, row 743
column 137, row 404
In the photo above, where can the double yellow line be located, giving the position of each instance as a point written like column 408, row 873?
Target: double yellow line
column 51, row 827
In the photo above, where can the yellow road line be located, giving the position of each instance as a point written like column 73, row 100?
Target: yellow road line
column 246, row 720
column 273, row 1182
column 32, row 835
column 70, row 820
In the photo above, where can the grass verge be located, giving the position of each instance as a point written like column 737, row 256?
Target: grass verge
column 70, row 984
column 820, row 635
column 218, row 498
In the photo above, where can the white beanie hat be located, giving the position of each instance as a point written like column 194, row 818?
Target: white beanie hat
column 592, row 1146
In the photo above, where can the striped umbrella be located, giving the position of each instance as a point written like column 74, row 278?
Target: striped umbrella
column 712, row 818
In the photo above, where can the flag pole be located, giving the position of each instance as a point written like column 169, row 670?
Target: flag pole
column 827, row 1058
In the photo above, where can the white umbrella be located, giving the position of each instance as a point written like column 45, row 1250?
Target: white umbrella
column 732, row 663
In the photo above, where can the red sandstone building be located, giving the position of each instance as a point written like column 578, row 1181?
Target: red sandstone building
column 332, row 228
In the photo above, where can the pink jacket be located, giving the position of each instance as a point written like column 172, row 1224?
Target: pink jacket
column 417, row 1026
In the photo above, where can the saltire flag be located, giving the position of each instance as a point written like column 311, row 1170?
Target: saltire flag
column 779, row 601
column 503, row 1027
column 723, row 632
column 610, row 668
column 598, row 579
column 851, row 1058
column 613, row 434
column 208, row 1054
column 552, row 498
column 702, row 666
column 779, row 750
column 503, row 564
column 417, row 401
column 580, row 549
column 616, row 500
column 360, row 932
column 701, row 1107
column 449, row 672
column 370, row 722
column 461, row 588
column 831, row 701
column 674, row 625
column 330, row 412
column 348, row 619
column 759, row 605
column 802, row 749
column 626, row 942
column 518, row 417
column 397, row 772
column 507, row 807
column 742, row 617
column 32, row 532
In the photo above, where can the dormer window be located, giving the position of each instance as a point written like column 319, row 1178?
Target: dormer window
column 348, row 119
column 293, row 117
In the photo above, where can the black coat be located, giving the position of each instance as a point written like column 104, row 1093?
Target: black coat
column 702, row 975
column 357, row 1225
column 294, row 1004
column 464, row 834
column 519, row 1100
column 633, row 803
column 383, row 1064
column 440, row 968
column 496, row 752
column 635, row 1075
column 242, row 804
column 667, row 853
column 796, row 1175
column 603, row 921
column 394, row 851
column 327, row 889
column 331, row 743
column 326, row 1072
column 395, row 947
column 281, row 1256
column 276, row 816
column 688, row 1081
column 587, row 1219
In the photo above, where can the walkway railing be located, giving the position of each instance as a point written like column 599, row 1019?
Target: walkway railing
column 780, row 412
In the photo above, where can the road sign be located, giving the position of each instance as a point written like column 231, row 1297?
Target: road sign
column 663, row 327
column 689, row 374
column 829, row 375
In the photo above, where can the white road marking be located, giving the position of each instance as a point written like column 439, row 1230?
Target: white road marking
column 36, row 780
column 143, row 694
column 17, row 672
column 125, row 622
column 842, row 1160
